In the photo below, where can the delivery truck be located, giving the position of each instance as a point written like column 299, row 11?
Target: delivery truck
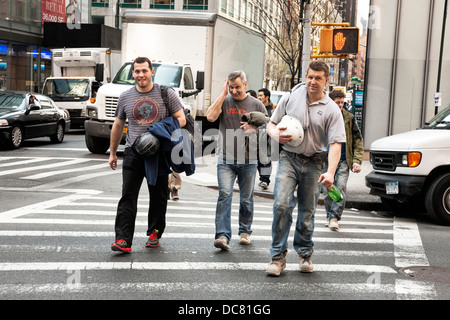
column 77, row 74
column 202, row 47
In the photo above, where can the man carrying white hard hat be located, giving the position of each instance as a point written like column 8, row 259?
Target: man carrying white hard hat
column 300, row 165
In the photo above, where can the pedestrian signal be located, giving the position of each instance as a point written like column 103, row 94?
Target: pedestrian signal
column 345, row 41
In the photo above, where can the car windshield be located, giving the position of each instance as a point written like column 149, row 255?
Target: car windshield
column 12, row 102
column 168, row 75
column 440, row 121
column 67, row 89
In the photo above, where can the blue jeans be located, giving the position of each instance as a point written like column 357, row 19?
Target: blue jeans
column 334, row 209
column 294, row 170
column 226, row 176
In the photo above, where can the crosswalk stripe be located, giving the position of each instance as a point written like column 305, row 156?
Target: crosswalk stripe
column 44, row 166
column 103, row 248
column 45, row 233
column 101, row 265
column 251, row 288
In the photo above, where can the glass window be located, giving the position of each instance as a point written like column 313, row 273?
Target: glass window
column 162, row 4
column 188, row 79
column 100, row 3
column 195, row 4
column 130, row 3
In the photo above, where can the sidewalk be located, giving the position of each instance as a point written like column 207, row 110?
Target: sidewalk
column 358, row 196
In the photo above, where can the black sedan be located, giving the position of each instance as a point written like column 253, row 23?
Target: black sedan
column 25, row 115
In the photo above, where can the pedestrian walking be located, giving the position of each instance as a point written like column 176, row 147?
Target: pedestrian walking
column 301, row 166
column 265, row 165
column 352, row 152
column 237, row 156
column 142, row 105
column 174, row 185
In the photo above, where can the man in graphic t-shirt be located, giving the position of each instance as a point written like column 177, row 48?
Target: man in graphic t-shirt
column 142, row 105
column 237, row 152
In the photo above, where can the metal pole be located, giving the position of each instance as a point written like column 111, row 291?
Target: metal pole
column 438, row 86
column 306, row 40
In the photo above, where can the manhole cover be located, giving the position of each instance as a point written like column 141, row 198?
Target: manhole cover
column 427, row 273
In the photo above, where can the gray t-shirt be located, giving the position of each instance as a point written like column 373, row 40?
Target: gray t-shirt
column 321, row 120
column 233, row 142
column 143, row 109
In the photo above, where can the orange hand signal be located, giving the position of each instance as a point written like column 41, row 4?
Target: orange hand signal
column 339, row 40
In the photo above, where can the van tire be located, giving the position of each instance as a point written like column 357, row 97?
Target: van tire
column 437, row 199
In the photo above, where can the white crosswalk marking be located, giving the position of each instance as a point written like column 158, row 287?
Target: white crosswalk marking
column 75, row 230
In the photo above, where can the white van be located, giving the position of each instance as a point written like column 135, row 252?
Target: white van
column 413, row 168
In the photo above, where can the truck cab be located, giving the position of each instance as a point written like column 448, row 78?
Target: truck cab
column 77, row 74
column 72, row 94
column 101, row 113
column 412, row 169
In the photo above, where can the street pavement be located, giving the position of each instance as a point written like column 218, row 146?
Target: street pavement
column 358, row 194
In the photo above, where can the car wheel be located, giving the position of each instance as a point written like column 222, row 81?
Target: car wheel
column 58, row 137
column 437, row 199
column 16, row 137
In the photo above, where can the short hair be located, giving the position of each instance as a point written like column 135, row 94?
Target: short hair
column 265, row 91
column 237, row 74
column 319, row 65
column 252, row 93
column 336, row 94
column 143, row 60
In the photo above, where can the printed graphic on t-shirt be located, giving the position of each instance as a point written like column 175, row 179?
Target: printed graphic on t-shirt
column 145, row 110
column 236, row 111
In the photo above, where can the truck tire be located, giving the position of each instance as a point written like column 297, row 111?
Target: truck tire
column 437, row 199
column 96, row 145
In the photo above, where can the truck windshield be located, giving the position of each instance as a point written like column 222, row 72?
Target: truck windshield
column 67, row 89
column 168, row 75
column 440, row 121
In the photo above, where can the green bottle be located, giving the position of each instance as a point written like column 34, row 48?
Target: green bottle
column 335, row 194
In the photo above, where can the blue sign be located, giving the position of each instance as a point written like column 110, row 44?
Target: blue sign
column 359, row 94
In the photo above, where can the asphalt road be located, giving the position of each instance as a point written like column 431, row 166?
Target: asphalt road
column 57, row 224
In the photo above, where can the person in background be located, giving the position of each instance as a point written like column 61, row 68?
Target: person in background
column 351, row 158
column 265, row 169
column 174, row 185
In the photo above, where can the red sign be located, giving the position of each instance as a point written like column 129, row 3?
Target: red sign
column 53, row 11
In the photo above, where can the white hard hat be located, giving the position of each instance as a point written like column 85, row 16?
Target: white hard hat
column 293, row 128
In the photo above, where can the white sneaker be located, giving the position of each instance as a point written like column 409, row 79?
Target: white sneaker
column 334, row 225
column 264, row 185
column 305, row 264
column 221, row 243
column 244, row 239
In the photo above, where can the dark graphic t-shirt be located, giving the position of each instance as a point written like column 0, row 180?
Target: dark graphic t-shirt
column 143, row 109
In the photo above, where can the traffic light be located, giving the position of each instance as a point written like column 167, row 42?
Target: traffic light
column 345, row 41
column 326, row 37
column 316, row 50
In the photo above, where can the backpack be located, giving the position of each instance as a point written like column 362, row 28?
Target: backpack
column 191, row 126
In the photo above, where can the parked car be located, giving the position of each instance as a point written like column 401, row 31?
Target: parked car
column 25, row 115
column 412, row 169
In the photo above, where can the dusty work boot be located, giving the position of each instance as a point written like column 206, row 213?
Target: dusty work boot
column 221, row 243
column 277, row 264
column 174, row 192
column 305, row 264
